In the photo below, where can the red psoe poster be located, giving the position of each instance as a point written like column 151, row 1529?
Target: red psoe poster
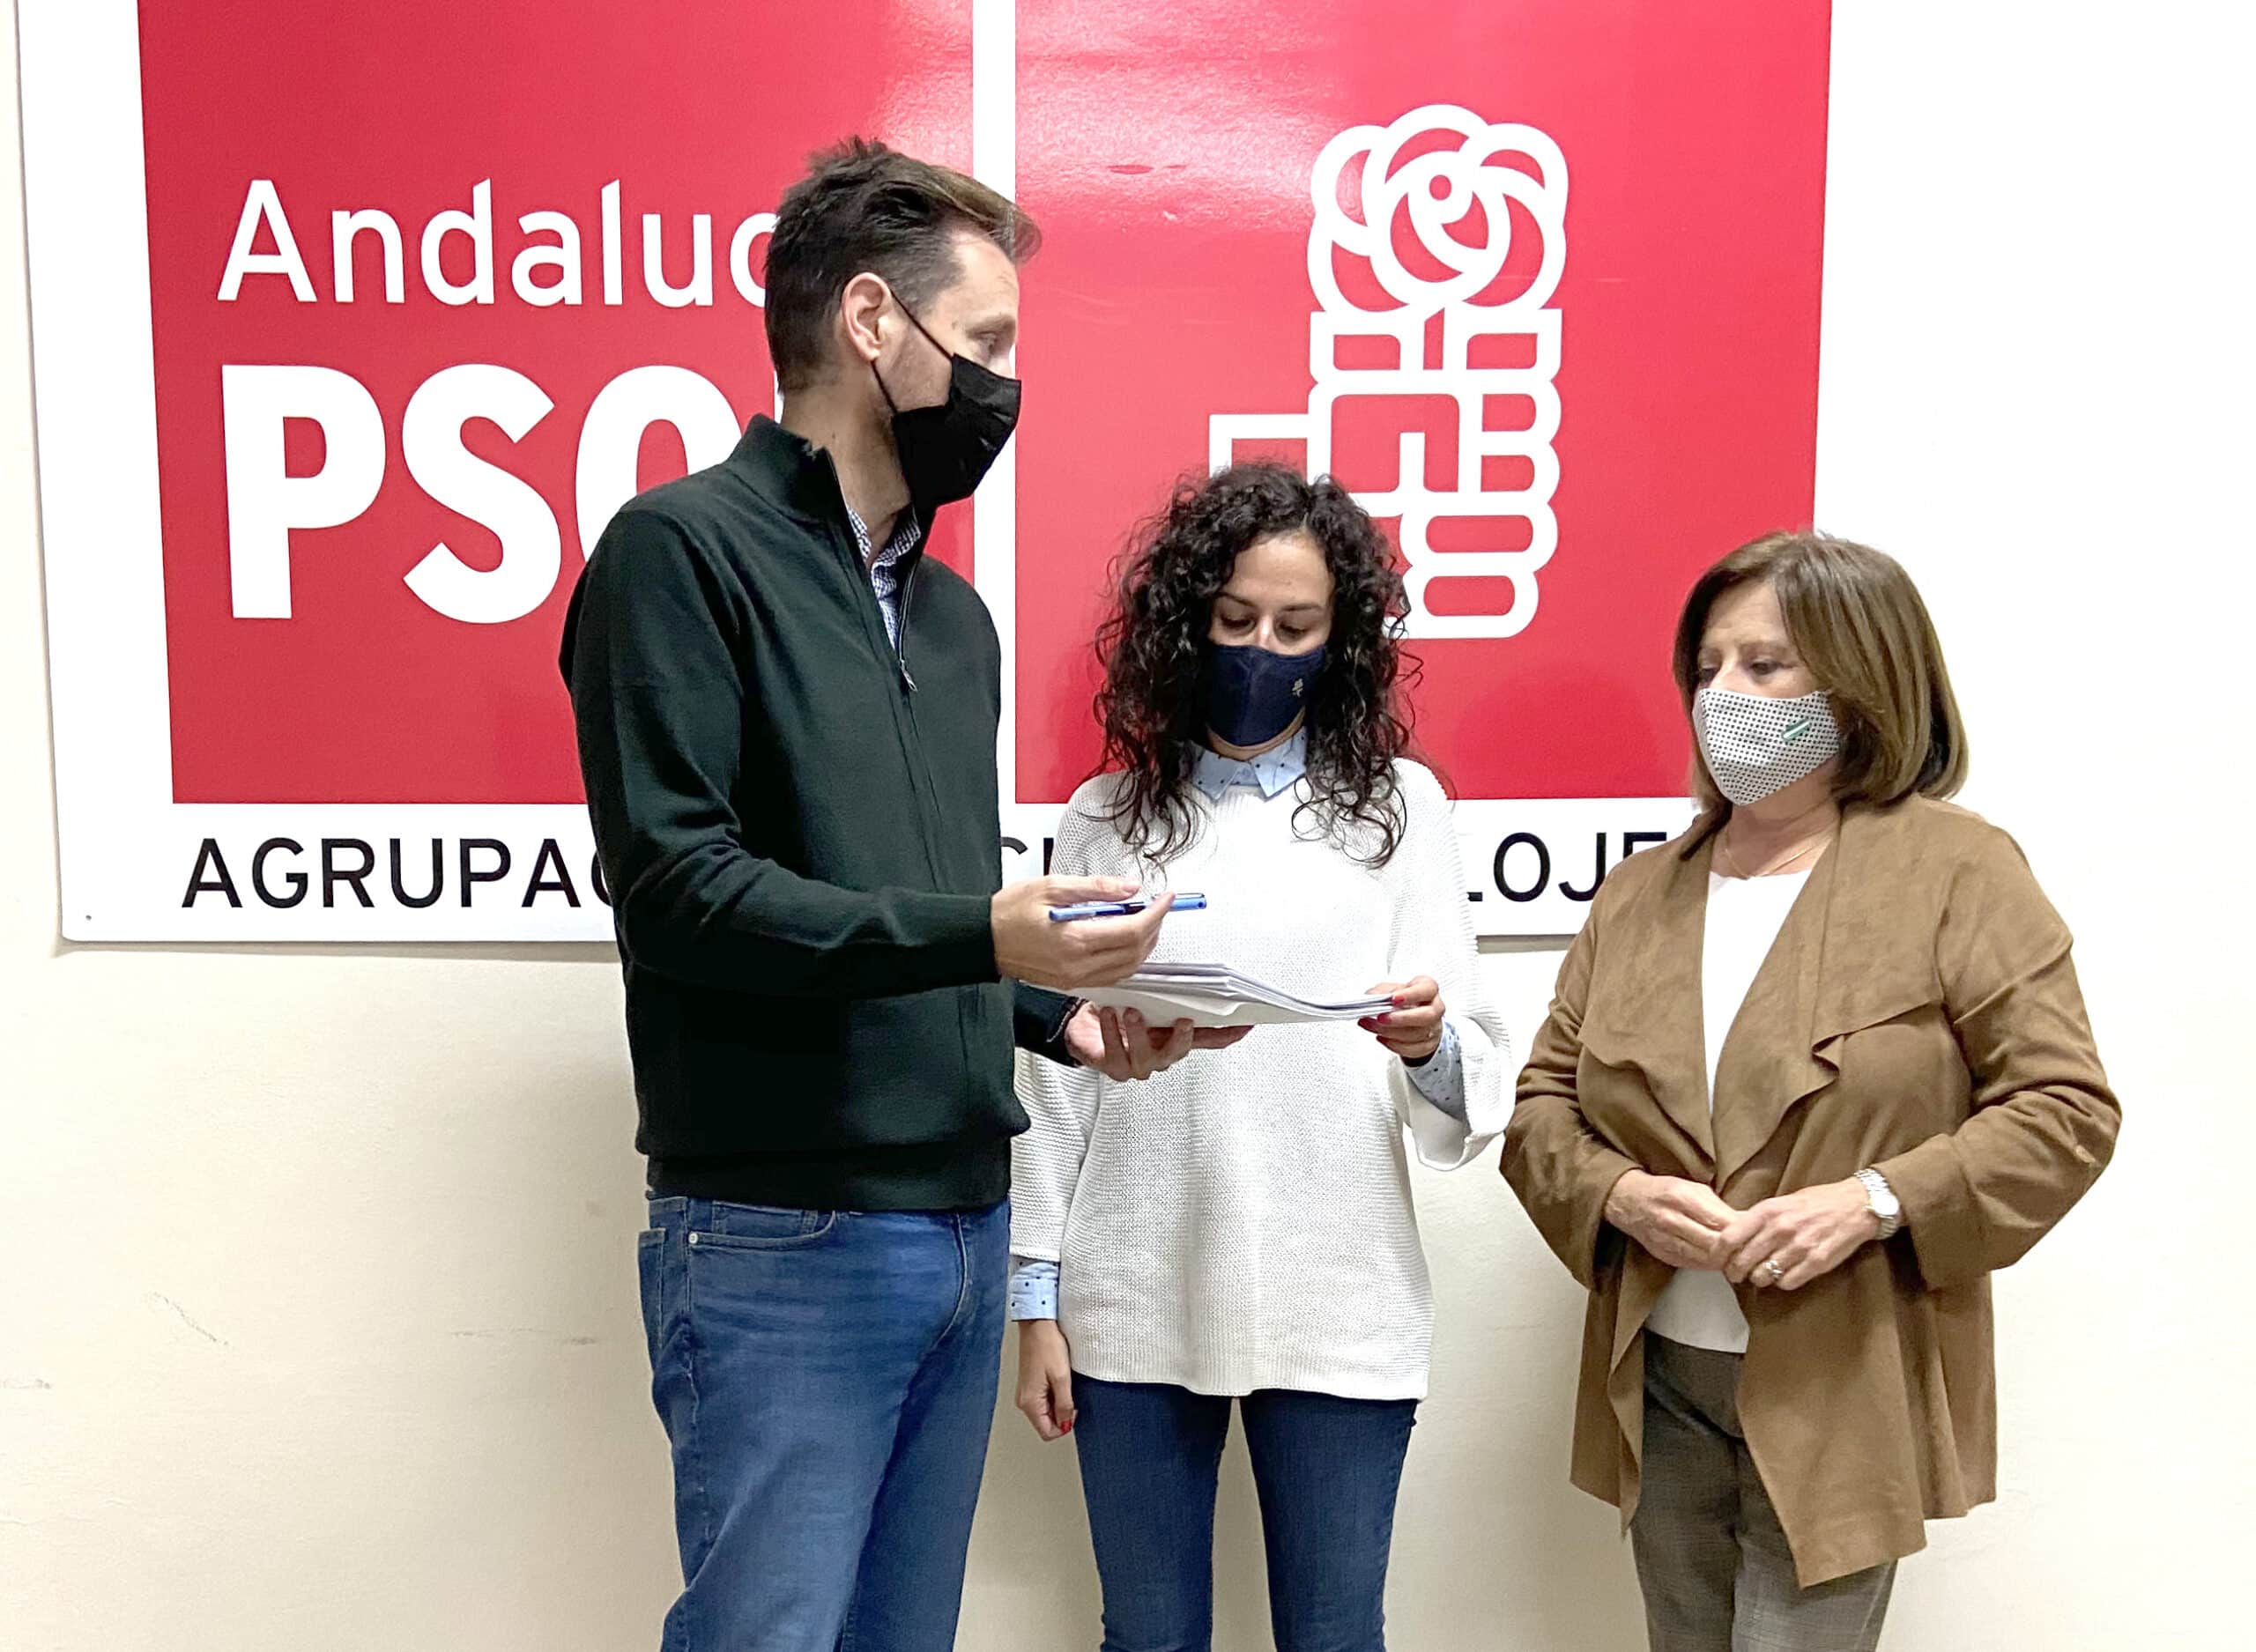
column 351, row 331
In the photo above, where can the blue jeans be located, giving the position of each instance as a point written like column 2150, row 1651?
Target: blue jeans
column 1326, row 1471
column 828, row 1381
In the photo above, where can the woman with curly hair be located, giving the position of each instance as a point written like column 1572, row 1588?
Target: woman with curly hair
column 1240, row 1228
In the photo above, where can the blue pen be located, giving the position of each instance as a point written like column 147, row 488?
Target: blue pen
column 1121, row 908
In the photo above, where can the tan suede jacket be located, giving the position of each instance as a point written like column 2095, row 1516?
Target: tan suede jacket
column 1919, row 1014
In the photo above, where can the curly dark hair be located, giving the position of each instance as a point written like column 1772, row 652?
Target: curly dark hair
column 1152, row 646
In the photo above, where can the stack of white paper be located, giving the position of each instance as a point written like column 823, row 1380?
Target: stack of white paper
column 1215, row 995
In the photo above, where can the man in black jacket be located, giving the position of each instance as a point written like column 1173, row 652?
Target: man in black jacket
column 787, row 724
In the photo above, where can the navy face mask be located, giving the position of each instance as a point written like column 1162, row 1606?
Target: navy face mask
column 1253, row 695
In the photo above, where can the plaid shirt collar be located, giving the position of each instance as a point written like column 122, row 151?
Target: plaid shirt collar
column 906, row 537
column 885, row 567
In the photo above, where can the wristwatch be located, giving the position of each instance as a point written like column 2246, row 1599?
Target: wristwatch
column 1884, row 1203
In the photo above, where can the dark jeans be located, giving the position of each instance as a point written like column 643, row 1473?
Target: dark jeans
column 828, row 1381
column 1326, row 1471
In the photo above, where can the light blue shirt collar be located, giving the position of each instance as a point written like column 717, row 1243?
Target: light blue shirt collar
column 1270, row 774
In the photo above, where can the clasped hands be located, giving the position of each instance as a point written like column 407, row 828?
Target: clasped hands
column 1783, row 1242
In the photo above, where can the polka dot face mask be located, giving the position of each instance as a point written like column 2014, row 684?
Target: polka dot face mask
column 1756, row 745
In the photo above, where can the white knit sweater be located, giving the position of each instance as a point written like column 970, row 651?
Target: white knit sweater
column 1244, row 1221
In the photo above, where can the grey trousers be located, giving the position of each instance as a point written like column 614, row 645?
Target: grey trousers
column 1712, row 1558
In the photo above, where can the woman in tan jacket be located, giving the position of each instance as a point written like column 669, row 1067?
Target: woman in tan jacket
column 1814, row 1071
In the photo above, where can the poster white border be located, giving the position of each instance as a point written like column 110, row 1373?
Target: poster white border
column 127, row 851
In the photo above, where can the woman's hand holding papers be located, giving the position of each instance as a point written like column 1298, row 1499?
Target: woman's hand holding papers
column 1412, row 1028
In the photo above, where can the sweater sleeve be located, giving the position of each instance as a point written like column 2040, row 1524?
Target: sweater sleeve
column 2042, row 1120
column 1433, row 936
column 1061, row 1100
column 651, row 656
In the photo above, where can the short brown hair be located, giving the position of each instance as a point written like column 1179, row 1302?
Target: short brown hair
column 1857, row 620
column 865, row 207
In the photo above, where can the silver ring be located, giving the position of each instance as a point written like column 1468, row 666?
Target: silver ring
column 1772, row 1268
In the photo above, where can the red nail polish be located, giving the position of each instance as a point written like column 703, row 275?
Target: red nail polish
column 1401, row 999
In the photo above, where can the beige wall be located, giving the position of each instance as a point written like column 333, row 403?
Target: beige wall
column 317, row 1324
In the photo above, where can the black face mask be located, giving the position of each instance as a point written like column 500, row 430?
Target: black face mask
column 1252, row 694
column 946, row 448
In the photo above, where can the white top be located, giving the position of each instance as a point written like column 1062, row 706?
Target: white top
column 1698, row 1307
column 1244, row 1221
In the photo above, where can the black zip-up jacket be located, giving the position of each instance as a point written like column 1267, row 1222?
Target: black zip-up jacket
column 800, row 833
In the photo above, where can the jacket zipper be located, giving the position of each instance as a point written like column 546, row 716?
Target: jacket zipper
column 912, row 734
column 908, row 590
column 924, row 767
column 908, row 700
column 905, row 726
